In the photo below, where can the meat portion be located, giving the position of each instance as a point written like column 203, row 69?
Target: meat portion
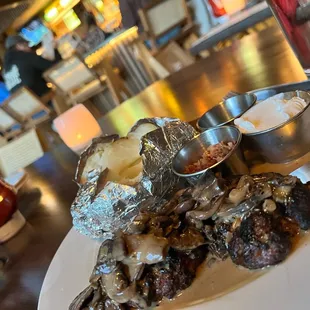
column 253, row 219
column 216, row 237
column 298, row 206
column 260, row 241
column 177, row 273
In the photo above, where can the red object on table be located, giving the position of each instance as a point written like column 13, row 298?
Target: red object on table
column 296, row 33
column 8, row 202
column 217, row 8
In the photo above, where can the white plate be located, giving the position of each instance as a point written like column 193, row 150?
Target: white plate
column 284, row 287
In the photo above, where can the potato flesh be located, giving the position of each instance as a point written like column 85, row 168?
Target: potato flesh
column 121, row 157
column 95, row 161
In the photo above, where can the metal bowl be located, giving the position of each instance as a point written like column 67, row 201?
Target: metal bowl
column 286, row 142
column 226, row 111
column 233, row 163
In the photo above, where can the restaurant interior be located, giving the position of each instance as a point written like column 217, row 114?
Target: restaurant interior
column 211, row 99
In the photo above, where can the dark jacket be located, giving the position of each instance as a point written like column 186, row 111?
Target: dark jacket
column 129, row 10
column 25, row 69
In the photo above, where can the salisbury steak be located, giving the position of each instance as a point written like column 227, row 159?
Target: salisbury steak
column 175, row 274
column 298, row 206
column 260, row 241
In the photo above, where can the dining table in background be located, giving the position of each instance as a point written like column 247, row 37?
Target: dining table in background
column 258, row 60
column 237, row 23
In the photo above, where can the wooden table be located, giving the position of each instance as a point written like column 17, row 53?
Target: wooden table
column 257, row 61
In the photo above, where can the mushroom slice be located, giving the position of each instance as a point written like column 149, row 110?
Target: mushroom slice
column 133, row 269
column 237, row 195
column 83, row 299
column 147, row 249
column 117, row 287
column 110, row 252
column 189, row 239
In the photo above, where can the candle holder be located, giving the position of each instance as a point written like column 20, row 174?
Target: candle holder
column 77, row 127
column 11, row 220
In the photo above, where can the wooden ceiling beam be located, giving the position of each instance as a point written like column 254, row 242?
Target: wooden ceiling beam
column 10, row 4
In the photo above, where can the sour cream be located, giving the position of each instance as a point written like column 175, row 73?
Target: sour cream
column 270, row 113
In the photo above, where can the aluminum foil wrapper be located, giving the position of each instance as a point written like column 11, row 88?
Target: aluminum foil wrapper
column 101, row 212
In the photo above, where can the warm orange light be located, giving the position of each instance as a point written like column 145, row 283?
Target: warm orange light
column 77, row 127
column 64, row 3
column 232, row 6
column 96, row 57
column 51, row 14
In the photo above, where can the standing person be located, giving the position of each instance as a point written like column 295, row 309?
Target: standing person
column 94, row 35
column 22, row 67
column 49, row 45
column 129, row 10
column 4, row 94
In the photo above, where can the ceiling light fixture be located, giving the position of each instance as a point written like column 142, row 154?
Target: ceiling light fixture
column 51, row 14
column 64, row 3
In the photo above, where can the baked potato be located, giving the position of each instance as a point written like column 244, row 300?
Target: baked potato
column 121, row 156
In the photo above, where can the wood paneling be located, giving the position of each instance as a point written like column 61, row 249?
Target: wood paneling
column 8, row 14
column 17, row 13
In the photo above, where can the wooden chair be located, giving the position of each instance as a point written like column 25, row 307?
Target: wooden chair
column 79, row 83
column 154, row 68
column 168, row 60
column 116, row 85
column 18, row 153
column 74, row 80
column 162, row 16
column 120, row 50
column 173, row 58
column 26, row 108
column 9, row 127
column 19, row 143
